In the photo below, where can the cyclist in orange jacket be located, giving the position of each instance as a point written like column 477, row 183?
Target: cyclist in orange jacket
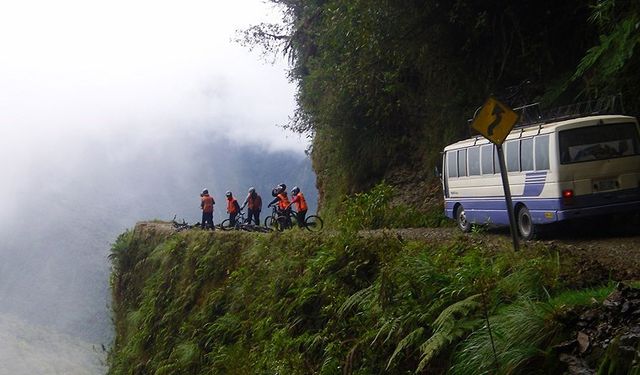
column 206, row 205
column 298, row 198
column 253, row 202
column 233, row 208
column 281, row 199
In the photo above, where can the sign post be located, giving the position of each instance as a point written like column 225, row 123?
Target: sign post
column 494, row 121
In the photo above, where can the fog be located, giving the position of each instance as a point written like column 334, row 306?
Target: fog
column 111, row 113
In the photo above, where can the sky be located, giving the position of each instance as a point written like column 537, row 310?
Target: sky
column 72, row 68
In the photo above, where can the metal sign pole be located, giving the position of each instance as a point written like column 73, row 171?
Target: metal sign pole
column 507, row 196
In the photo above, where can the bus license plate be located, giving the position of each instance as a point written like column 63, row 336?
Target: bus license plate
column 605, row 185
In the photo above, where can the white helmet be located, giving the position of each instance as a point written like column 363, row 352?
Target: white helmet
column 252, row 190
column 205, row 191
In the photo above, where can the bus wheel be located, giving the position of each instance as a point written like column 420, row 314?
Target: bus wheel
column 461, row 218
column 525, row 224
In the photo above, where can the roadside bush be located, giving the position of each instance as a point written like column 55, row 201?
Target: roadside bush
column 373, row 210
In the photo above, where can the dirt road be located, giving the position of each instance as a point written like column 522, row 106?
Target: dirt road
column 597, row 252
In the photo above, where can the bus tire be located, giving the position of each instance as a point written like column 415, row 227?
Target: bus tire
column 462, row 221
column 525, row 225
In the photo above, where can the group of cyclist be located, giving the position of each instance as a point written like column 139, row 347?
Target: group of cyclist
column 253, row 203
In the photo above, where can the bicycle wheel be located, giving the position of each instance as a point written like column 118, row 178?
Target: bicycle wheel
column 293, row 216
column 282, row 223
column 226, row 225
column 313, row 223
column 270, row 223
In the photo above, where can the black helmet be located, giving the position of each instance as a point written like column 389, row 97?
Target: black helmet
column 228, row 194
column 295, row 190
column 282, row 187
column 205, row 191
column 274, row 191
column 252, row 190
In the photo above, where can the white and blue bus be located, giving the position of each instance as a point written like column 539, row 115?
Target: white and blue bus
column 557, row 171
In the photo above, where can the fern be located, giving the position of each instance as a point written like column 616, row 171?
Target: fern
column 388, row 328
column 409, row 340
column 450, row 326
column 520, row 332
column 363, row 298
column 618, row 46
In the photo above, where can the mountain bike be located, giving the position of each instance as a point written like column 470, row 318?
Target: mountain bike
column 180, row 226
column 242, row 224
column 313, row 223
column 280, row 221
column 240, row 219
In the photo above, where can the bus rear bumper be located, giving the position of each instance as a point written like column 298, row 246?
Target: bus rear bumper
column 617, row 208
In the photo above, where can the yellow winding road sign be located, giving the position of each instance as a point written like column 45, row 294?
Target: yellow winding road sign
column 494, row 121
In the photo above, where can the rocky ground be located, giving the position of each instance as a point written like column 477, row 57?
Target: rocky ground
column 609, row 330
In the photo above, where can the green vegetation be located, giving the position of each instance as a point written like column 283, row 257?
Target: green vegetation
column 373, row 210
column 383, row 84
column 197, row 302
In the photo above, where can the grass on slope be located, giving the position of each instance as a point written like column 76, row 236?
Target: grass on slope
column 297, row 303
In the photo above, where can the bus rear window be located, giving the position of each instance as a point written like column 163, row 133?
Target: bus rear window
column 598, row 142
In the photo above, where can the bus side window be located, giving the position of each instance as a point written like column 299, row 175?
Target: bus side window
column 452, row 164
column 487, row 159
column 474, row 161
column 542, row 152
column 526, row 154
column 462, row 162
column 513, row 156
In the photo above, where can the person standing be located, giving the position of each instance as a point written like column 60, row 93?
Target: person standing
column 253, row 202
column 206, row 205
column 301, row 205
column 233, row 208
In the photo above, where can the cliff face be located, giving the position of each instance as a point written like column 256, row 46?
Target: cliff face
column 383, row 86
column 198, row 302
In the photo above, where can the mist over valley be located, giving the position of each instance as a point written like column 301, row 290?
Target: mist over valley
column 65, row 213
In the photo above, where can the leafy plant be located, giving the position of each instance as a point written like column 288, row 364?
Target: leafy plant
column 367, row 210
column 520, row 332
column 374, row 210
